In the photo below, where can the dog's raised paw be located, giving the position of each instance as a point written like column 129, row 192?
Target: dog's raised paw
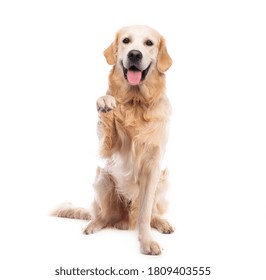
column 105, row 103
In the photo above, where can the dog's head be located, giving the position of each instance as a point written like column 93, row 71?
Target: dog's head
column 138, row 50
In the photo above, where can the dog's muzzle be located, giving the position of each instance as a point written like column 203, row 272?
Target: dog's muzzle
column 133, row 73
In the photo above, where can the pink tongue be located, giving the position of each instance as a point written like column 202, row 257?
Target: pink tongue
column 133, row 77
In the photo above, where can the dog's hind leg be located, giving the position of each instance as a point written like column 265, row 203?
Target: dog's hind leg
column 108, row 208
column 160, row 206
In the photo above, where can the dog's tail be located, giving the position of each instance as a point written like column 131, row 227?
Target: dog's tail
column 67, row 210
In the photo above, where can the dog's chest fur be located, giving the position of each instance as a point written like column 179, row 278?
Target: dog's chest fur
column 139, row 126
column 142, row 132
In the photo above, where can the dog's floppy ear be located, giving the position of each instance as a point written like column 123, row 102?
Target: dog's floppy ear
column 111, row 52
column 164, row 60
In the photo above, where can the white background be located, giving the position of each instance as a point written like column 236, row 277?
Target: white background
column 52, row 71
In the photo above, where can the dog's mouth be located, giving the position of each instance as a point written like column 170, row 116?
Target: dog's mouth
column 134, row 75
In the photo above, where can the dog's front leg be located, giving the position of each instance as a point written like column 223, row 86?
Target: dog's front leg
column 149, row 179
column 106, row 129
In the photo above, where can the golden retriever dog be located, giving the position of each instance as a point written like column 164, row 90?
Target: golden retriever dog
column 133, row 131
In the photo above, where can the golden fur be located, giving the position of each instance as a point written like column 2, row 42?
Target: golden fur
column 133, row 131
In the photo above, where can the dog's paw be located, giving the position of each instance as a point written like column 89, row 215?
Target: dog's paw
column 93, row 227
column 162, row 225
column 123, row 225
column 150, row 248
column 105, row 103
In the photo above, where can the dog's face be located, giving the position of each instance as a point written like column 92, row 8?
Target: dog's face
column 138, row 50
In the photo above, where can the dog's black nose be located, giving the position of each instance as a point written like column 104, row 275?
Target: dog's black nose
column 134, row 55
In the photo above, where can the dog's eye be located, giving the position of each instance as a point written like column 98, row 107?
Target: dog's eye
column 149, row 43
column 126, row 40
